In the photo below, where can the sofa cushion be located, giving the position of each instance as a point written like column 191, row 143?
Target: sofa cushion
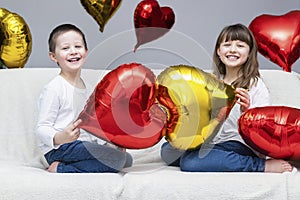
column 23, row 182
column 284, row 87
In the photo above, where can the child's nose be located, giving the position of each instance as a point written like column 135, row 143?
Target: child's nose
column 233, row 48
column 73, row 50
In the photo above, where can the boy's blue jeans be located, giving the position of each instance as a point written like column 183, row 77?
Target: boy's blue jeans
column 82, row 156
column 231, row 156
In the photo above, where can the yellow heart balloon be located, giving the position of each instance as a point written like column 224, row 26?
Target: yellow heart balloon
column 196, row 103
column 101, row 10
column 16, row 41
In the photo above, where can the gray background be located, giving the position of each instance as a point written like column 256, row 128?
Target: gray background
column 190, row 41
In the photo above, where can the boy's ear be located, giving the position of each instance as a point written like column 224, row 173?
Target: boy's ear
column 52, row 56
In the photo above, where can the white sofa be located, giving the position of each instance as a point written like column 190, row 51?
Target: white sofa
column 23, row 174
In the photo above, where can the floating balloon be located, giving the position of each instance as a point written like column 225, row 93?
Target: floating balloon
column 151, row 21
column 273, row 131
column 196, row 102
column 15, row 40
column 122, row 108
column 278, row 37
column 101, row 10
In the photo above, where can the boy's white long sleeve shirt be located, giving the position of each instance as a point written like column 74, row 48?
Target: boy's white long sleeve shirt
column 59, row 105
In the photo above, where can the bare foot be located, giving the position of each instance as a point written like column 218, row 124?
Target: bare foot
column 278, row 166
column 53, row 167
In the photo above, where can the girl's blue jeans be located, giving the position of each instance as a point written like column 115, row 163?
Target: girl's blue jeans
column 230, row 156
column 83, row 156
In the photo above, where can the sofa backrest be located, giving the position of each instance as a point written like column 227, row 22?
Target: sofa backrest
column 20, row 89
column 283, row 86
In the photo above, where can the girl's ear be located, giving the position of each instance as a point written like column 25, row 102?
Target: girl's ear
column 52, row 57
column 218, row 52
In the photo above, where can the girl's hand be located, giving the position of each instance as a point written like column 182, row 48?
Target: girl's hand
column 243, row 98
column 69, row 134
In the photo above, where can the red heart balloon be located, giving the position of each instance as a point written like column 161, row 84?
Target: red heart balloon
column 278, row 37
column 122, row 108
column 273, row 131
column 151, row 21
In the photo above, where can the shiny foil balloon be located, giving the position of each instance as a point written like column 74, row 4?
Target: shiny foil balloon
column 278, row 37
column 151, row 21
column 15, row 40
column 101, row 10
column 273, row 131
column 122, row 108
column 196, row 102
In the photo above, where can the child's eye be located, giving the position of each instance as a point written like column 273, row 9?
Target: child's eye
column 226, row 44
column 242, row 44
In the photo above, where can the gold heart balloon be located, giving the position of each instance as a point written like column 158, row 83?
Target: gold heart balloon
column 196, row 103
column 15, row 40
column 101, row 10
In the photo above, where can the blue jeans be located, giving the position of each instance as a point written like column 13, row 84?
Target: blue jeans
column 82, row 156
column 230, row 156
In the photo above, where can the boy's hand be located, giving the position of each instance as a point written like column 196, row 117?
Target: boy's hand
column 69, row 134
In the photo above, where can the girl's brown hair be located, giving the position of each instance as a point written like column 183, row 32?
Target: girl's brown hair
column 249, row 71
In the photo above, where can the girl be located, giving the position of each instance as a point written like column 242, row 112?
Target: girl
column 66, row 148
column 235, row 60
